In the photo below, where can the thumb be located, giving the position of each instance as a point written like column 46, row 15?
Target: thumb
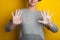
column 41, row 21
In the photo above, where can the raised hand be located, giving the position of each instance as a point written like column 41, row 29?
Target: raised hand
column 17, row 17
column 46, row 18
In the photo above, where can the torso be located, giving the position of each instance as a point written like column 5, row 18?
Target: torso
column 30, row 25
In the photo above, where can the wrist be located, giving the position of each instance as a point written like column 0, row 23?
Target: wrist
column 50, row 25
column 12, row 26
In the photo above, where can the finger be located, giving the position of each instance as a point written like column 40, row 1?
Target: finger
column 16, row 13
column 51, row 15
column 42, row 13
column 41, row 21
column 46, row 12
column 12, row 14
column 21, row 14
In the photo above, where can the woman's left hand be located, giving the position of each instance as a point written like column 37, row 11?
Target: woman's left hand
column 46, row 18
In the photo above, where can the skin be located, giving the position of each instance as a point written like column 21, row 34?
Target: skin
column 31, row 7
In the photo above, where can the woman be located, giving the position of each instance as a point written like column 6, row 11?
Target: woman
column 31, row 22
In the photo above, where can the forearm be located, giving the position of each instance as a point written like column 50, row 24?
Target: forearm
column 52, row 27
column 10, row 26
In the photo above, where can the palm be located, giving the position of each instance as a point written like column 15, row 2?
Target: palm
column 46, row 18
column 17, row 17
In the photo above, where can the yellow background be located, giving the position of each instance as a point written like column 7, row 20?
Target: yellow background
column 7, row 6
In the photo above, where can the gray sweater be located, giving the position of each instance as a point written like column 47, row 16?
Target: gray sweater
column 31, row 27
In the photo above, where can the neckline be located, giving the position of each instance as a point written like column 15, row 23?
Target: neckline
column 30, row 11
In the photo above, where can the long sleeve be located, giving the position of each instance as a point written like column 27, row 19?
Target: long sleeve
column 7, row 27
column 54, row 28
column 10, row 24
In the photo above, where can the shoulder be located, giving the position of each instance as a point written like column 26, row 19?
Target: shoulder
column 39, row 14
column 22, row 10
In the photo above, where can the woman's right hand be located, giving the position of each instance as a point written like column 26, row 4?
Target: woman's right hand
column 17, row 17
